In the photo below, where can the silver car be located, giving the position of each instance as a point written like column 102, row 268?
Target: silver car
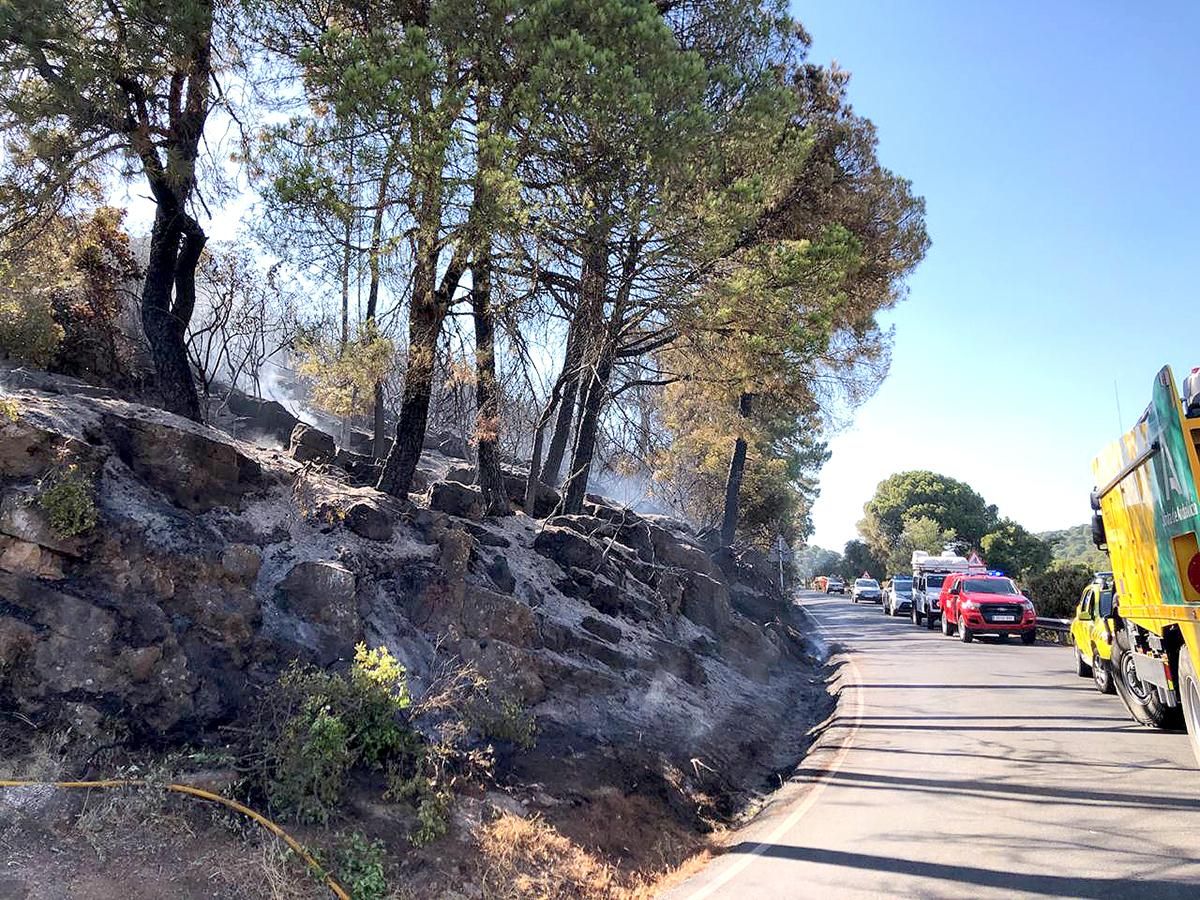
column 866, row 589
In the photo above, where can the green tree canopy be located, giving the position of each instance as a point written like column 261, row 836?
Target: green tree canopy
column 857, row 558
column 1014, row 550
column 950, row 503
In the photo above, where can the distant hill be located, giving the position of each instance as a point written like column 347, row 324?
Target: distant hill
column 1075, row 545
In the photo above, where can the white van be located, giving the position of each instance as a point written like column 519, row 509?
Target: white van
column 929, row 572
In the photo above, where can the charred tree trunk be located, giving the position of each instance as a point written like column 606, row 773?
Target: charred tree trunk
column 533, row 484
column 737, row 468
column 168, row 297
column 581, row 337
column 487, row 394
column 569, row 381
column 425, row 325
column 379, row 440
column 600, row 367
column 586, row 435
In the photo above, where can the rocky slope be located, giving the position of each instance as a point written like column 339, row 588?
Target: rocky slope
column 213, row 563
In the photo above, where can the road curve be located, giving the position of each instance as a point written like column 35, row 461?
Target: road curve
column 968, row 770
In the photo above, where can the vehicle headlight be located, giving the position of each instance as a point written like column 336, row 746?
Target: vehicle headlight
column 969, row 604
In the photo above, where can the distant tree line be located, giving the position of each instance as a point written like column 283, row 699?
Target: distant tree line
column 921, row 510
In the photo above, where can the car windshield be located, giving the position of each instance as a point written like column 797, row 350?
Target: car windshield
column 1106, row 598
column 989, row 586
column 934, row 581
column 866, row 582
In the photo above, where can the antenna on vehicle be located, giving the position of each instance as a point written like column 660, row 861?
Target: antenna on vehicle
column 1120, row 418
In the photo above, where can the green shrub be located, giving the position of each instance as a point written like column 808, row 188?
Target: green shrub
column 316, row 727
column 28, row 331
column 509, row 721
column 433, row 817
column 1056, row 591
column 327, row 723
column 68, row 499
column 360, row 868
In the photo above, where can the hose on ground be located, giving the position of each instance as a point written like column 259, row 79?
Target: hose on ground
column 188, row 790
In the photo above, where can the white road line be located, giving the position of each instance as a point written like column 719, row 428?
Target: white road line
column 794, row 817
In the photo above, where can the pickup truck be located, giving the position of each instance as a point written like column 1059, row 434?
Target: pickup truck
column 986, row 604
column 835, row 586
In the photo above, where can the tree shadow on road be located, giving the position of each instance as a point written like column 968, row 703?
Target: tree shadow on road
column 1030, row 882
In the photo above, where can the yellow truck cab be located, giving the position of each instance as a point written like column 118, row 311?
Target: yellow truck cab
column 1147, row 515
column 1091, row 632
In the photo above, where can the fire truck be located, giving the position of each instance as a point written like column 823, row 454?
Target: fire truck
column 1146, row 513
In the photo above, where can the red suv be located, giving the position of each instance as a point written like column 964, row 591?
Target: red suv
column 986, row 604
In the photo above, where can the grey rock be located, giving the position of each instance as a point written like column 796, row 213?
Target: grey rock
column 456, row 500
column 606, row 631
column 367, row 520
column 310, row 444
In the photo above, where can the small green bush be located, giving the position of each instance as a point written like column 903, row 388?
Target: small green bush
column 1056, row 591
column 360, row 868
column 433, row 817
column 327, row 724
column 511, row 722
column 68, row 499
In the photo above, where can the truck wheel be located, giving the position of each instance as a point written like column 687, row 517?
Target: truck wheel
column 929, row 621
column 1028, row 637
column 1101, row 674
column 1082, row 669
column 964, row 633
column 945, row 625
column 1141, row 700
column 1189, row 690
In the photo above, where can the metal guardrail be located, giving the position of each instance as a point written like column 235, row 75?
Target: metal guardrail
column 1057, row 631
column 1060, row 625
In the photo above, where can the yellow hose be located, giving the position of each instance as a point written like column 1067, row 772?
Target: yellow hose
column 295, row 845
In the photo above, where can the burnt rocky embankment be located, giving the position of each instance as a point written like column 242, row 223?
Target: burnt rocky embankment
column 215, row 562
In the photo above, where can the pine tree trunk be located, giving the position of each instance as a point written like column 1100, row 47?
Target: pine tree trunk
column 487, row 395
column 569, row 379
column 585, row 438
column 533, row 484
column 733, row 484
column 425, row 325
column 163, row 320
column 581, row 337
column 379, row 440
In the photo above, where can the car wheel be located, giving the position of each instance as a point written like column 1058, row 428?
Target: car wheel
column 964, row 633
column 1101, row 674
column 929, row 621
column 945, row 625
column 1140, row 699
column 1082, row 669
column 1189, row 690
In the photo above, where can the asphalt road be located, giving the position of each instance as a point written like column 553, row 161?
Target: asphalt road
column 968, row 770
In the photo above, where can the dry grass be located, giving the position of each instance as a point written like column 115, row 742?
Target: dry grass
column 524, row 859
column 528, row 859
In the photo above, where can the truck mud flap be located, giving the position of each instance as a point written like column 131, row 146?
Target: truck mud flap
column 1152, row 670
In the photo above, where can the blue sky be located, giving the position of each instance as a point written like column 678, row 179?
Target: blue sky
column 1056, row 146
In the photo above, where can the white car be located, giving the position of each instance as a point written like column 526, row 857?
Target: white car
column 866, row 589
